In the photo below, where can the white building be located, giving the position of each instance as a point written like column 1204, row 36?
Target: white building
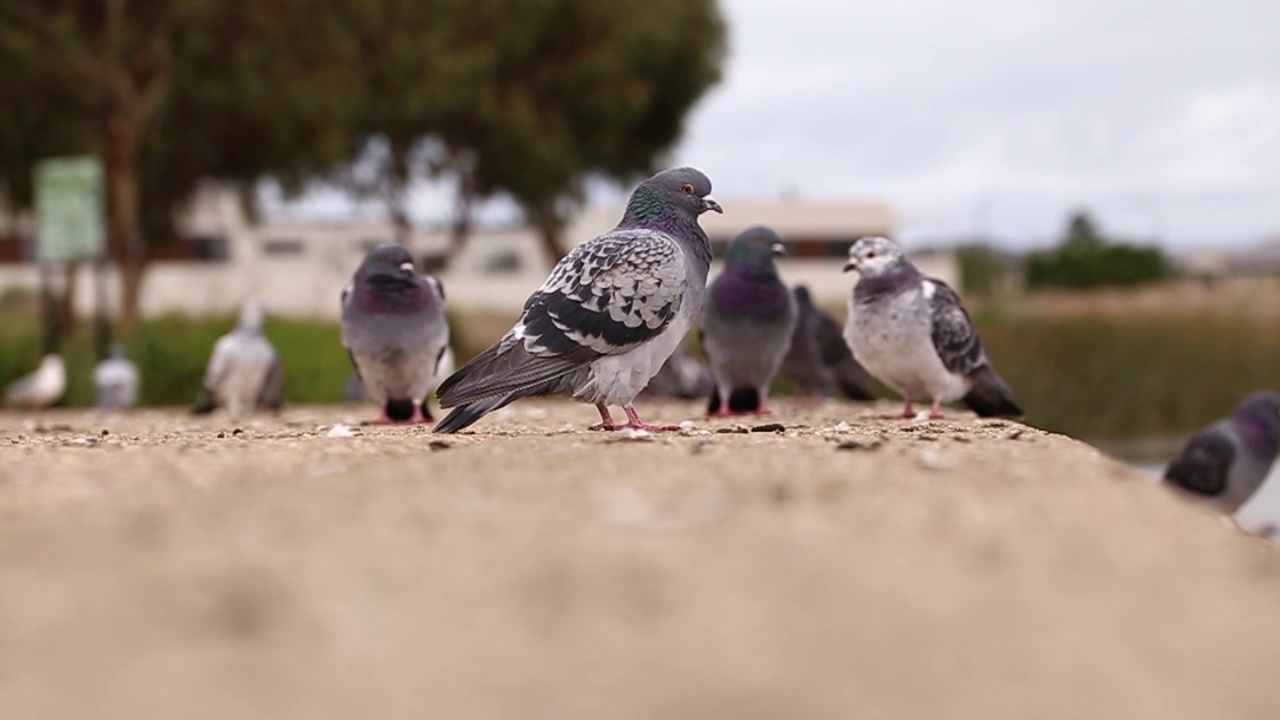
column 300, row 267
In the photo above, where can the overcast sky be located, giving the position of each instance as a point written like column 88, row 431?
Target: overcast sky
column 1001, row 115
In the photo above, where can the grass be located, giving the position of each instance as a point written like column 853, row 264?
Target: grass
column 1097, row 377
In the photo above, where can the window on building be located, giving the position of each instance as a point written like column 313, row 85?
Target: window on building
column 506, row 261
column 282, row 246
column 212, row 248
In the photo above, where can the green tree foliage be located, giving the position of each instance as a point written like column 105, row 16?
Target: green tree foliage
column 1087, row 259
column 580, row 90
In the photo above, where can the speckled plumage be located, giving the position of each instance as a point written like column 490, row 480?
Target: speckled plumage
column 1228, row 461
column 913, row 334
column 608, row 316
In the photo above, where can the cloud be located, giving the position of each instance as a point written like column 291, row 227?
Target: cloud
column 1161, row 115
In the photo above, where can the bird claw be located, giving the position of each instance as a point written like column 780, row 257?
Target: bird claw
column 606, row 426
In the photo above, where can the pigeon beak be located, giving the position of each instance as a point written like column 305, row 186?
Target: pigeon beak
column 778, row 249
column 851, row 265
column 709, row 203
column 406, row 266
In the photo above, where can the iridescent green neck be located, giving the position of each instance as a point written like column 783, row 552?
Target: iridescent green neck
column 646, row 204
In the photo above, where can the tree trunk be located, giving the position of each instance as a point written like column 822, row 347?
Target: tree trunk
column 122, row 210
column 550, row 230
column 67, row 302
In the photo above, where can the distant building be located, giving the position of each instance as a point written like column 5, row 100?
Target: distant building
column 300, row 267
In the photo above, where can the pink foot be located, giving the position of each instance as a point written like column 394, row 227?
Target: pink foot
column 606, row 420
column 420, row 416
column 635, row 423
column 935, row 411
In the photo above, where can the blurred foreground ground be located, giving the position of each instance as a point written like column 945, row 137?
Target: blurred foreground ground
column 173, row 567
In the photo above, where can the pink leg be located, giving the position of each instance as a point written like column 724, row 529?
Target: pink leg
column 935, row 411
column 907, row 411
column 606, row 420
column 634, row 422
column 763, row 409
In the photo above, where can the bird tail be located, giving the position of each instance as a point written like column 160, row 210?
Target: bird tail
column 464, row 415
column 399, row 410
column 1202, row 468
column 205, row 404
column 854, row 382
column 990, row 396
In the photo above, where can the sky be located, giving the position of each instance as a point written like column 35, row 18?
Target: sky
column 995, row 117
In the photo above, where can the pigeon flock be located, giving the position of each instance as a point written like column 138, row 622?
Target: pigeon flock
column 615, row 319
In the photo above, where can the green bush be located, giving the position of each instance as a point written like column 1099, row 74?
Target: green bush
column 1080, row 267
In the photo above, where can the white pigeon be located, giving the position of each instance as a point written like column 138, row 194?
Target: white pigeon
column 912, row 333
column 611, row 313
column 40, row 389
column 244, row 370
column 116, row 381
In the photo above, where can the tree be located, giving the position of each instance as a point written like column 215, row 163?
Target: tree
column 582, row 89
column 169, row 92
column 418, row 61
column 1086, row 258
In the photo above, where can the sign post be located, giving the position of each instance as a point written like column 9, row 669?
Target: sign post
column 70, row 226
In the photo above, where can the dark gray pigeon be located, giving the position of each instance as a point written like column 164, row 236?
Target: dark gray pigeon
column 608, row 317
column 682, row 376
column 244, row 370
column 1226, row 462
column 115, row 381
column 819, row 361
column 746, row 324
column 912, row 333
column 394, row 328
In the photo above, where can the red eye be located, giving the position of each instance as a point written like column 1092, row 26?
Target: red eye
column 687, row 189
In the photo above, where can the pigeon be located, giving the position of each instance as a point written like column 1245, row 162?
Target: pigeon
column 40, row 389
column 116, row 381
column 681, row 376
column 610, row 314
column 912, row 333
column 746, row 324
column 244, row 370
column 819, row 361
column 1226, row 462
column 395, row 330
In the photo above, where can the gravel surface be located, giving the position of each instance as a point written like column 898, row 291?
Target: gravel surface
column 821, row 563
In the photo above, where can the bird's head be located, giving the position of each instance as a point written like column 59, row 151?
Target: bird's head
column 755, row 247
column 872, row 255
column 684, row 189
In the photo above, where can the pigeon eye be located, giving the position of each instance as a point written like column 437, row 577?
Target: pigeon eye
column 871, row 254
column 687, row 189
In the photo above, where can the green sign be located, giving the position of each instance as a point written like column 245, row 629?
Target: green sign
column 69, row 209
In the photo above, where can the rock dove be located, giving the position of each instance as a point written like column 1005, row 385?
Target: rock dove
column 819, row 361
column 747, row 323
column 116, row 381
column 394, row 328
column 681, row 376
column 1226, row 462
column 608, row 317
column 40, row 389
column 244, row 370
column 912, row 333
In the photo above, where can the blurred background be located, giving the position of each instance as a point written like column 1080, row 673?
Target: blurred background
column 1100, row 180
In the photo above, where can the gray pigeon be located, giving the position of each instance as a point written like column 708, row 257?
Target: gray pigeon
column 913, row 334
column 394, row 328
column 244, row 370
column 819, row 361
column 116, row 381
column 1226, row 462
column 746, row 324
column 608, row 317
column 681, row 376
column 40, row 389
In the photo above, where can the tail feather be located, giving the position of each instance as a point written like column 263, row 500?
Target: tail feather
column 990, row 396
column 464, row 415
column 509, row 370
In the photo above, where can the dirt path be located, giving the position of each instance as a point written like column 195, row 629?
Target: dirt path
column 959, row 569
